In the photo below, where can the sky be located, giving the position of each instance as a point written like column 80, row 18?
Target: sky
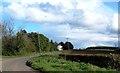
column 85, row 22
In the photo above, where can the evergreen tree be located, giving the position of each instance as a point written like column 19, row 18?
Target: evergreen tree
column 68, row 46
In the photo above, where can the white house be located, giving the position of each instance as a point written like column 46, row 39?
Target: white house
column 59, row 47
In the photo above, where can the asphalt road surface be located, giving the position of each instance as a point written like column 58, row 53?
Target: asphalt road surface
column 19, row 64
column 16, row 64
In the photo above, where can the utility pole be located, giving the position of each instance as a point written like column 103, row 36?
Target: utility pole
column 39, row 44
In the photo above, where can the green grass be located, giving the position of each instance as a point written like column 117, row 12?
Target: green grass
column 52, row 63
column 11, row 56
column 17, row 56
column 34, row 54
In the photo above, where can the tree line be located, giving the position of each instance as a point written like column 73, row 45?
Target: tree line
column 22, row 42
column 67, row 45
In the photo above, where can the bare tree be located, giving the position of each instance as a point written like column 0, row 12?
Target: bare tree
column 8, row 38
column 8, row 28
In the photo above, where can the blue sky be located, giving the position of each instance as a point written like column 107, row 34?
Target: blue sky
column 85, row 22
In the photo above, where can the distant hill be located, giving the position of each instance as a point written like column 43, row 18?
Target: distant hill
column 102, row 48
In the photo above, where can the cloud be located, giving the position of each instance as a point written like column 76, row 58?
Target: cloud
column 31, row 14
column 76, row 13
column 110, row 0
column 79, row 37
column 113, row 27
column 80, row 20
column 115, row 22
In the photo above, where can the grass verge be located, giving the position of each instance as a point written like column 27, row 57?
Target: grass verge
column 52, row 63
column 34, row 54
column 6, row 57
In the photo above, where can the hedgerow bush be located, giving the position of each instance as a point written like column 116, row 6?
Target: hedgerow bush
column 101, row 60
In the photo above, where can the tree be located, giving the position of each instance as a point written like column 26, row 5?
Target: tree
column 61, row 43
column 45, row 44
column 68, row 46
column 8, row 38
column 25, row 44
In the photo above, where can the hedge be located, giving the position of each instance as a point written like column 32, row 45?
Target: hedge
column 112, row 60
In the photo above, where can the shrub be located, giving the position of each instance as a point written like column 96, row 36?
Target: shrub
column 106, row 61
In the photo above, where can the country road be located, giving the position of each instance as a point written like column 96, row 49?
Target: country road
column 19, row 64
column 16, row 64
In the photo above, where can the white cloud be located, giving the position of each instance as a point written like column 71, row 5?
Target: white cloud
column 79, row 37
column 80, row 20
column 110, row 0
column 115, row 22
column 86, row 13
column 104, row 38
column 16, row 10
column 40, row 16
column 31, row 14
column 53, row 2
